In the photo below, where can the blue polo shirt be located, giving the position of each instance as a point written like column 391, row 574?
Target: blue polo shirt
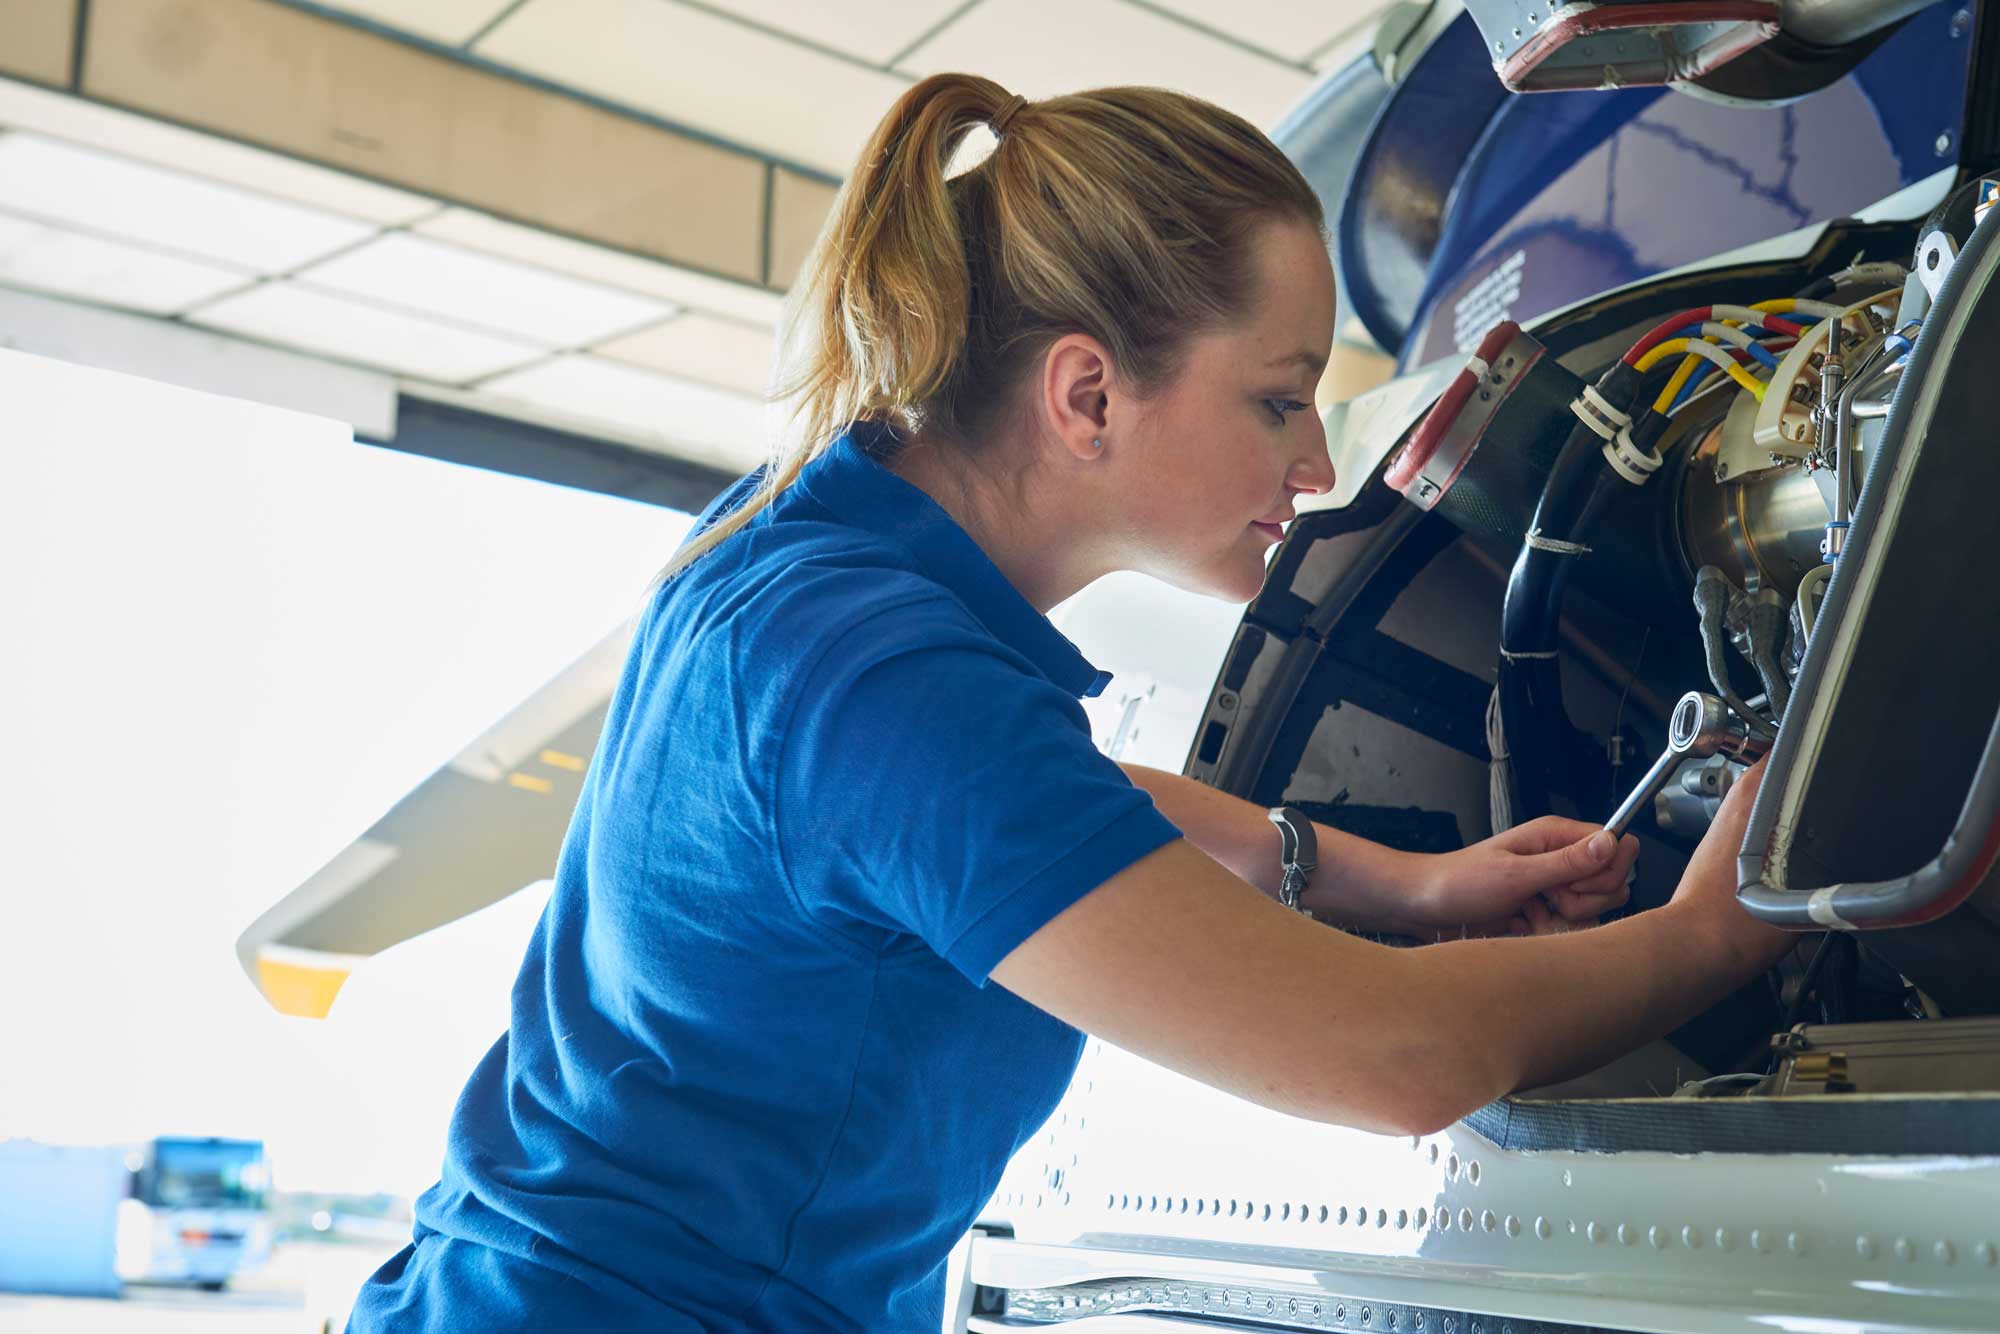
column 754, row 1076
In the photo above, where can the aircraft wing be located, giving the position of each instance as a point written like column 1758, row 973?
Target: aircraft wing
column 486, row 824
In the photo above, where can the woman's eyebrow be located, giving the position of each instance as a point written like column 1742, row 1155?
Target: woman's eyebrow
column 1314, row 362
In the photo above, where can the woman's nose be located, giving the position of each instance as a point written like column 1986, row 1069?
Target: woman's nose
column 1314, row 473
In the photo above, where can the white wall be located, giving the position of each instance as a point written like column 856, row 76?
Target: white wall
column 230, row 638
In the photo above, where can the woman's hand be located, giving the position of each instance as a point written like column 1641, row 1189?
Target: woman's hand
column 1708, row 887
column 1547, row 876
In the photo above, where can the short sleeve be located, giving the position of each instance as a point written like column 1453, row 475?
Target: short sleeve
column 934, row 784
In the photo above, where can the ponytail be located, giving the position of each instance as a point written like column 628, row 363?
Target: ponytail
column 1123, row 213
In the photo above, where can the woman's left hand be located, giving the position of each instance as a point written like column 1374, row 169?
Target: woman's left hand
column 1539, row 878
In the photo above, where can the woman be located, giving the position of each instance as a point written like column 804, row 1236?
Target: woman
column 758, row 1075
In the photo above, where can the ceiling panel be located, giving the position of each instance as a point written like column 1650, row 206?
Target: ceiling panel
column 870, row 30
column 463, row 285
column 449, row 21
column 683, row 287
column 700, row 347
column 702, row 71
column 679, row 417
column 799, row 209
column 60, row 116
column 48, row 259
column 294, row 316
column 361, row 101
column 1292, row 29
column 36, row 39
column 65, row 183
column 1106, row 42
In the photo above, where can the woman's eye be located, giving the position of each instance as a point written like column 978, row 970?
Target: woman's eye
column 1279, row 407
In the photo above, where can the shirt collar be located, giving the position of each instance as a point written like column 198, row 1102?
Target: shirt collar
column 848, row 480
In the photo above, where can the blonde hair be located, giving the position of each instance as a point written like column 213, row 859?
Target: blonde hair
column 1124, row 214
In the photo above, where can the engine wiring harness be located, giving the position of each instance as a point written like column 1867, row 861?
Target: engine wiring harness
column 1616, row 440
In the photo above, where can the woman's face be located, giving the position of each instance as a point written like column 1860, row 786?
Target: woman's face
column 1212, row 462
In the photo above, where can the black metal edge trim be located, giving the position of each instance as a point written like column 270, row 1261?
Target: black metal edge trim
column 561, row 458
column 1829, row 1124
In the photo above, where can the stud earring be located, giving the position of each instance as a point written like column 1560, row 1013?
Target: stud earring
column 1096, row 444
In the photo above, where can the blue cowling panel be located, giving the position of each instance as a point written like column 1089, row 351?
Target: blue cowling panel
column 1394, row 209
column 1469, row 206
column 1323, row 135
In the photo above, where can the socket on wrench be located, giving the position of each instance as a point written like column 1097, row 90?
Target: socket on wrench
column 1700, row 727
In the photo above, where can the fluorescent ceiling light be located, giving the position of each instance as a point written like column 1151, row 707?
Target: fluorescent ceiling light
column 174, row 353
column 546, row 308
column 685, row 287
column 366, row 334
column 701, row 347
column 678, row 417
column 1107, row 43
column 48, row 259
column 870, row 30
column 718, row 75
column 86, row 188
column 61, row 116
column 452, row 22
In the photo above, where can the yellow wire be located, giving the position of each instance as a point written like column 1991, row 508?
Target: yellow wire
column 1660, row 353
column 1673, row 389
column 1686, row 369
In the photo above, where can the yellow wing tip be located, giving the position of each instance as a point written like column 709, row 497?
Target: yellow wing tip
column 299, row 989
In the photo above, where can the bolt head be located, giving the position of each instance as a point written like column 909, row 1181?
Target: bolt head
column 1943, row 144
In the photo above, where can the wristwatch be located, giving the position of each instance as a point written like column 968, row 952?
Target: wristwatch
column 1298, row 854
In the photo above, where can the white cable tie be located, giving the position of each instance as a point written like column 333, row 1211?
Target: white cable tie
column 1635, row 465
column 1528, row 657
column 1743, row 313
column 1727, row 333
column 1619, row 465
column 1613, row 415
column 1477, row 367
column 1588, row 416
column 1555, row 544
column 1715, row 354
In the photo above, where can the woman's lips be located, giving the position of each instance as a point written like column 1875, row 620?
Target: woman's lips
column 1275, row 531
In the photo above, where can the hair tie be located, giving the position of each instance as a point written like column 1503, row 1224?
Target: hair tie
column 997, row 122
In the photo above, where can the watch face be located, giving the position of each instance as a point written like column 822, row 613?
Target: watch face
column 1299, row 846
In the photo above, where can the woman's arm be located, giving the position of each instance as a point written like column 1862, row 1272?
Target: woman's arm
column 1180, row 961
column 1359, row 884
column 1367, row 887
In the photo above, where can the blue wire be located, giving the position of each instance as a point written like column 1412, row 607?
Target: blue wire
column 1687, row 389
column 1701, row 371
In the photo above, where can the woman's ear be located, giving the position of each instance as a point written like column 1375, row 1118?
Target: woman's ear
column 1075, row 393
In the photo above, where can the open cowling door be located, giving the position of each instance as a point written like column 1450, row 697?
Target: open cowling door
column 1896, row 713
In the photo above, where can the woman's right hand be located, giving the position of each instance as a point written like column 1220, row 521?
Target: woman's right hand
column 1707, row 891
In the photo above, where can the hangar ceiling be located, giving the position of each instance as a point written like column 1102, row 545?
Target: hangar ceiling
column 578, row 213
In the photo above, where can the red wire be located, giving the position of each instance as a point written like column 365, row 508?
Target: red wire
column 1777, row 325
column 1700, row 314
column 1665, row 330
